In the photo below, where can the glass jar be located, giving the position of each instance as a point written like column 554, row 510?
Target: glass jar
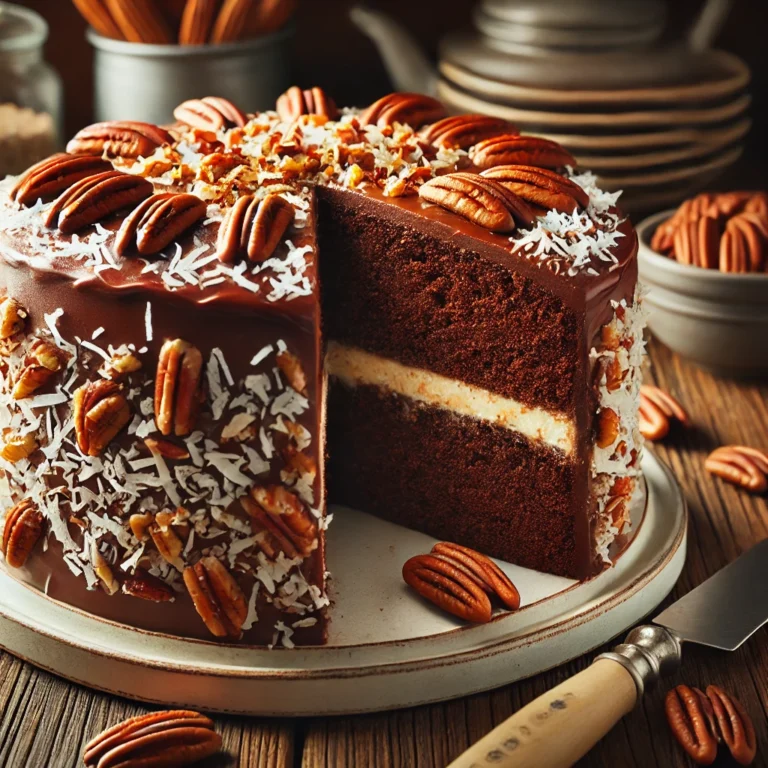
column 31, row 92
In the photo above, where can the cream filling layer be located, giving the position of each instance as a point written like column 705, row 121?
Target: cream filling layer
column 354, row 367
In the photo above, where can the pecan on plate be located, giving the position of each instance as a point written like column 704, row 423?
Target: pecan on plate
column 449, row 587
column 178, row 387
column 43, row 361
column 733, row 725
column 100, row 411
column 23, row 529
column 482, row 201
column 52, row 176
column 486, row 574
column 296, row 102
column 217, row 597
column 13, row 318
column 254, row 227
column 464, row 131
column 290, row 366
column 94, row 199
column 174, row 737
column 17, row 447
column 541, row 188
column 147, row 587
column 740, row 465
column 159, row 221
column 691, row 719
column 286, row 522
column 513, row 149
column 196, row 21
column 119, row 138
column 413, row 109
column 657, row 409
column 210, row 114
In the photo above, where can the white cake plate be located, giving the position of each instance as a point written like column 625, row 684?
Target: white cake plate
column 387, row 647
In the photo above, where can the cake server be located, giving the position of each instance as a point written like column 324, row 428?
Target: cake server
column 562, row 725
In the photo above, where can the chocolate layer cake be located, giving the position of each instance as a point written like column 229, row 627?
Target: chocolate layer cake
column 187, row 310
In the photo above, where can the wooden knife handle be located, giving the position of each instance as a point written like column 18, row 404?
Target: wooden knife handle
column 562, row 725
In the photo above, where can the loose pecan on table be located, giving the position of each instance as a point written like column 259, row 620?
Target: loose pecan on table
column 464, row 131
column 23, row 529
column 296, row 102
column 197, row 21
column 157, row 222
column 13, row 317
column 139, row 21
column 95, row 199
column 541, row 188
column 288, row 525
column 740, row 465
column 147, row 587
column 100, row 411
column 170, row 738
column 119, row 138
column 54, row 175
column 513, row 149
column 483, row 201
column 413, row 109
column 702, row 721
column 254, row 227
column 217, row 597
column 657, row 409
column 178, row 387
column 210, row 114
column 42, row 362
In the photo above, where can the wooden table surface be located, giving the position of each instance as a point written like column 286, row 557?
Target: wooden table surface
column 45, row 721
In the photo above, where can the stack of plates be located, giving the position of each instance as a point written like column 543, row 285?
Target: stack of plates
column 657, row 122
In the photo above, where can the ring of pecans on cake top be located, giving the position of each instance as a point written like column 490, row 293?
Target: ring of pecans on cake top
column 127, row 192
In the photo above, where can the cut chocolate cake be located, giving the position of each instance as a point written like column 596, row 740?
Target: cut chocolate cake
column 188, row 310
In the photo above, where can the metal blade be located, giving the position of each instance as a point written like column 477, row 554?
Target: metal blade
column 728, row 607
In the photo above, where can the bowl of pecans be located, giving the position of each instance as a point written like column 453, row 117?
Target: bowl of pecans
column 151, row 55
column 705, row 266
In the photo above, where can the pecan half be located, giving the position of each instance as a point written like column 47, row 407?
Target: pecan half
column 159, row 221
column 296, row 102
column 140, row 523
column 513, row 149
column 96, row 198
column 286, row 522
column 486, row 574
column 52, row 176
column 197, row 21
column 733, row 725
column 100, row 411
column 174, row 737
column 139, row 21
column 119, row 138
column 217, row 597
column 23, row 529
column 254, row 227
column 210, row 114
column 290, row 366
column 740, row 465
column 43, row 361
column 17, row 447
column 689, row 715
column 178, row 390
column 607, row 427
column 146, row 587
column 657, row 408
column 544, row 189
column 464, row 131
column 166, row 449
column 480, row 200
column 448, row 587
column 413, row 109
column 13, row 318
column 698, row 242
column 743, row 246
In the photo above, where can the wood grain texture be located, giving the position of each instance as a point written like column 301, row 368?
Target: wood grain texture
column 45, row 722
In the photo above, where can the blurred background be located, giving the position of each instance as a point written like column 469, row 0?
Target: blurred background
column 329, row 50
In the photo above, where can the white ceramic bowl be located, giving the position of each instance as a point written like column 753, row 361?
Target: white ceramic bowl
column 718, row 320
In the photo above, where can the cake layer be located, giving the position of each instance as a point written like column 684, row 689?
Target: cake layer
column 355, row 367
column 457, row 478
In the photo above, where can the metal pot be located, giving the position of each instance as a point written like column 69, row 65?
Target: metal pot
column 136, row 81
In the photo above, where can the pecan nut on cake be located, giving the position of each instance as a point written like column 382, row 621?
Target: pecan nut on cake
column 187, row 311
